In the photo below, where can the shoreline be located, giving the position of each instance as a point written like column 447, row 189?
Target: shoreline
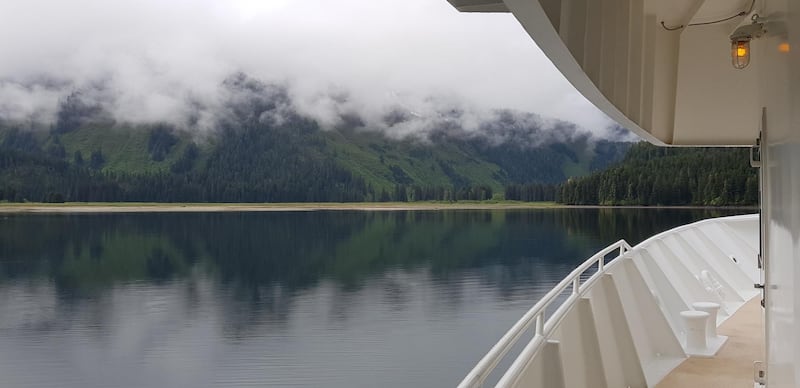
column 130, row 207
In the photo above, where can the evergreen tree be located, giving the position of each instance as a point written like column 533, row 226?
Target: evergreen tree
column 651, row 175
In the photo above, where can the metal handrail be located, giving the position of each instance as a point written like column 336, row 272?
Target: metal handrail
column 536, row 314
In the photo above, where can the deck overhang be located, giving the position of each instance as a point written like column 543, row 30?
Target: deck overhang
column 671, row 87
column 479, row 5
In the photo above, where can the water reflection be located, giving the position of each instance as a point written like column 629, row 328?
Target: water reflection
column 307, row 298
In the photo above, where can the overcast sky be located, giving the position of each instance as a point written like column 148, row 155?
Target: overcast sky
column 157, row 54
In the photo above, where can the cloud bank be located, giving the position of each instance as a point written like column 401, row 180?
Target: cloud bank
column 156, row 61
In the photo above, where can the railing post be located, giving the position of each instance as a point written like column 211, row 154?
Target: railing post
column 538, row 313
column 540, row 324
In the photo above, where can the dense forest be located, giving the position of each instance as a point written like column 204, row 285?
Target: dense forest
column 651, row 175
column 262, row 150
column 245, row 167
column 260, row 164
column 240, row 170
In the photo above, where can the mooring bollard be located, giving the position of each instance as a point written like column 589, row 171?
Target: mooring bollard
column 711, row 324
column 695, row 324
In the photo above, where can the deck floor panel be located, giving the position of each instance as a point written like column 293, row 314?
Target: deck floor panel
column 732, row 367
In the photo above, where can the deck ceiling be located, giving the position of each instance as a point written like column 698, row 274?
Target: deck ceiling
column 479, row 5
column 670, row 87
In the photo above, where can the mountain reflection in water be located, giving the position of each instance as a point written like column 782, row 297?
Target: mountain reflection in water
column 336, row 299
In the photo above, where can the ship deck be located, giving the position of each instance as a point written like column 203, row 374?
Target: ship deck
column 732, row 367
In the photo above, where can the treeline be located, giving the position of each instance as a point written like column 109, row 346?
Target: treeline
column 40, row 178
column 535, row 192
column 28, row 172
column 253, row 161
column 651, row 175
column 413, row 193
column 247, row 165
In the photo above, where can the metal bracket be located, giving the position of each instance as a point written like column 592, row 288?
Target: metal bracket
column 755, row 154
column 759, row 373
column 763, row 295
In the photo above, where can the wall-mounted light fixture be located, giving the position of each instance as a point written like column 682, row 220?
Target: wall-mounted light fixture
column 740, row 53
column 740, row 42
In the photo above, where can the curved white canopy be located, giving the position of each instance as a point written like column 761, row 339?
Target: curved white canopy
column 672, row 87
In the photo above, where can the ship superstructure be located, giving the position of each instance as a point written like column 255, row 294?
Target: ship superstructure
column 677, row 73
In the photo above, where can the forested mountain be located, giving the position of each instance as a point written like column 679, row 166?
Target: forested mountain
column 302, row 163
column 260, row 149
column 651, row 175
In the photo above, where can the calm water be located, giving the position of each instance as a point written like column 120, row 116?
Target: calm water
column 334, row 299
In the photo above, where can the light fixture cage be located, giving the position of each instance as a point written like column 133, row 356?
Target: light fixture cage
column 740, row 42
column 740, row 53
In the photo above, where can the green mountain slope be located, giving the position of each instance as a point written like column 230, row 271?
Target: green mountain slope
column 261, row 150
column 385, row 163
column 125, row 149
column 298, row 162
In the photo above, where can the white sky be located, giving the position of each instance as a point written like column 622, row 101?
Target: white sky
column 157, row 54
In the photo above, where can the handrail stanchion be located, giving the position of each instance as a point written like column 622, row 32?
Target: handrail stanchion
column 537, row 315
column 540, row 324
column 486, row 365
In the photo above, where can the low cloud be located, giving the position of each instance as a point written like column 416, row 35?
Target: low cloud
column 402, row 67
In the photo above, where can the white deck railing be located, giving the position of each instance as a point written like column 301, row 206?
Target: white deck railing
column 536, row 316
column 621, row 325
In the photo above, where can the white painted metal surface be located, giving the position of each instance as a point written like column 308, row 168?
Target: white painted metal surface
column 536, row 315
column 677, row 87
column 779, row 92
column 711, row 323
column 695, row 324
column 672, row 87
column 622, row 326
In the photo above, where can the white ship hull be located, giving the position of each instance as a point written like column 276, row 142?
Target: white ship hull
column 620, row 324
